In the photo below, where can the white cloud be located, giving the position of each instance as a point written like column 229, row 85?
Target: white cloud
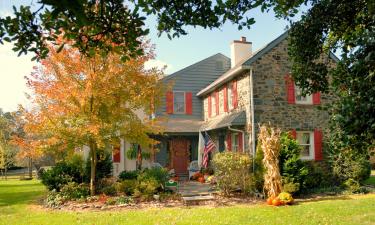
column 158, row 64
column 13, row 69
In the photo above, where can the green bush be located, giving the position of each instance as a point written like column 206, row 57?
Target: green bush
column 54, row 199
column 104, row 166
column 109, row 190
column 350, row 165
column 320, row 176
column 73, row 190
column 146, row 188
column 128, row 175
column 107, row 186
column 160, row 175
column 127, row 187
column 124, row 200
column 232, row 172
column 292, row 168
column 61, row 174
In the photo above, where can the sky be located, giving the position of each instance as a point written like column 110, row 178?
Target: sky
column 176, row 54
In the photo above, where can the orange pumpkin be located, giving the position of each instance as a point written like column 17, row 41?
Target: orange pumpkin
column 201, row 179
column 269, row 200
column 276, row 202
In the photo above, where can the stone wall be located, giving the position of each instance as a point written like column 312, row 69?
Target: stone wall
column 270, row 97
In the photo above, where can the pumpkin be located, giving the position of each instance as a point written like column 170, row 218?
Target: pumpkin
column 286, row 198
column 276, row 202
column 269, row 200
column 201, row 179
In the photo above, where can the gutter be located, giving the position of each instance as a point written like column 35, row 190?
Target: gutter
column 243, row 136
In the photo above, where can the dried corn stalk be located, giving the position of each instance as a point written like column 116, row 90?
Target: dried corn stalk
column 269, row 138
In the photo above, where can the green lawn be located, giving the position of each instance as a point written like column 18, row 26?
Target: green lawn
column 17, row 199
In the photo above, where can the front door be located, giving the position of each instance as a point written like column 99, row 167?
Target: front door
column 180, row 155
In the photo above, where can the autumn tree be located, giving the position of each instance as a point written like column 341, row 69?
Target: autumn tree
column 7, row 150
column 92, row 101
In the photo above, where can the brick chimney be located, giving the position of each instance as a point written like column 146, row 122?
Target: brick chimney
column 239, row 50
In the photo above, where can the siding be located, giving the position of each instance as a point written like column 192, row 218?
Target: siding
column 193, row 79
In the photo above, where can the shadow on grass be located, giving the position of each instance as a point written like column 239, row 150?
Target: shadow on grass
column 325, row 198
column 17, row 198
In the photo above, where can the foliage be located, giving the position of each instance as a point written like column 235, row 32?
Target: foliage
column 232, row 171
column 8, row 152
column 127, row 187
column 259, row 168
column 124, row 200
column 54, row 199
column 61, row 174
column 269, row 138
column 292, row 169
column 159, row 174
column 128, row 175
column 347, row 164
column 72, row 190
column 109, row 190
column 320, row 175
column 91, row 101
column 104, row 166
column 146, row 188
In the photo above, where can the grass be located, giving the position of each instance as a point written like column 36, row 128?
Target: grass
column 17, row 206
column 371, row 180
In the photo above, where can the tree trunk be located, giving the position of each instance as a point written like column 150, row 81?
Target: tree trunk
column 93, row 168
column 139, row 158
column 30, row 168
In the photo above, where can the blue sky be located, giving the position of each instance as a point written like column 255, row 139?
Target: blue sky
column 176, row 53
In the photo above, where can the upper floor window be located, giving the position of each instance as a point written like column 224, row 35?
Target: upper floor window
column 306, row 141
column 179, row 102
column 300, row 99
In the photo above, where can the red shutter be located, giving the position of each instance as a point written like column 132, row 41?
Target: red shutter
column 209, row 106
column 316, row 98
column 217, row 102
column 229, row 141
column 318, row 144
column 235, row 94
column 116, row 155
column 293, row 133
column 169, row 102
column 240, row 142
column 291, row 98
column 226, row 98
column 189, row 103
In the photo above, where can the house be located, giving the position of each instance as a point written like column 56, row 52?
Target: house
column 229, row 97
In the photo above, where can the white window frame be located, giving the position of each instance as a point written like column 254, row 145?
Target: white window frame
column 184, row 105
column 235, row 144
column 213, row 104
column 306, row 100
column 230, row 97
column 311, row 155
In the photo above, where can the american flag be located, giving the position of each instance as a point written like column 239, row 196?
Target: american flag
column 208, row 147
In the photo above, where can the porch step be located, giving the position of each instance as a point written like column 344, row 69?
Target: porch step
column 198, row 198
column 183, row 176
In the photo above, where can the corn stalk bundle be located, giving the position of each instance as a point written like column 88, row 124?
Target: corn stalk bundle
column 269, row 138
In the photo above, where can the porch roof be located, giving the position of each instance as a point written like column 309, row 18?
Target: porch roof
column 182, row 125
column 233, row 119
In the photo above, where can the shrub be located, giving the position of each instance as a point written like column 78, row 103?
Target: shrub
column 107, row 186
column 104, row 166
column 54, row 199
column 146, row 188
column 127, row 186
column 292, row 168
column 124, row 200
column 73, row 190
column 348, row 164
column 160, row 175
column 319, row 176
column 128, row 175
column 61, row 174
column 233, row 171
column 109, row 190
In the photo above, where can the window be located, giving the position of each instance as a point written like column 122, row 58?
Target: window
column 213, row 107
column 230, row 97
column 300, row 99
column 306, row 141
column 235, row 144
column 179, row 102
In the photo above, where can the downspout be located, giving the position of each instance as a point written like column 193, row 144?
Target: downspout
column 243, row 135
column 252, row 115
